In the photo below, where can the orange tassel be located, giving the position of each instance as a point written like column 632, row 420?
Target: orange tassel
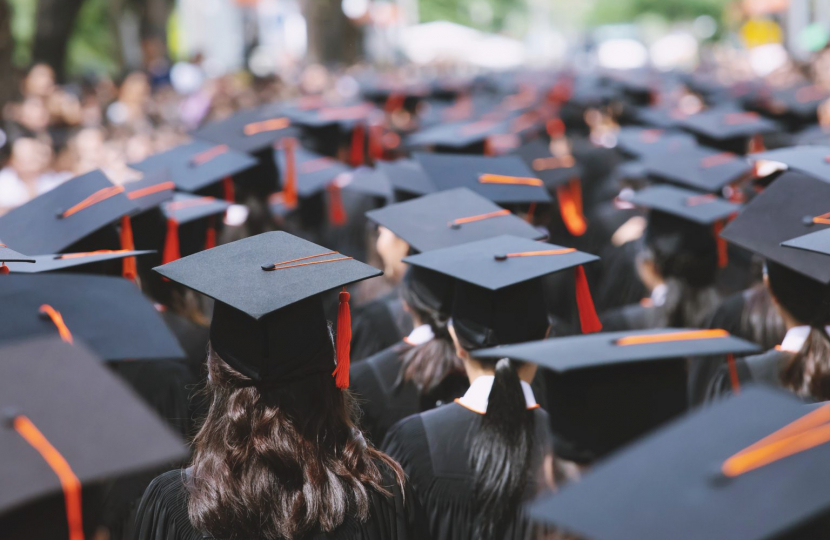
column 570, row 206
column 289, row 188
column 723, row 248
column 129, row 270
column 531, row 213
column 733, row 374
column 227, row 186
column 357, row 145
column 171, row 243
column 337, row 212
column 344, row 341
column 756, row 144
column 210, row 234
column 376, row 142
column 588, row 320
column 4, row 269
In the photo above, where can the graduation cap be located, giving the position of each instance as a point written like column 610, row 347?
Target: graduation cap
column 8, row 255
column 817, row 242
column 68, row 424
column 749, row 467
column 470, row 135
column 728, row 126
column 799, row 102
column 68, row 216
column 252, row 131
column 450, row 218
column 199, row 164
column 699, row 168
column 814, row 135
column 811, row 160
column 661, row 117
column 150, row 191
column 367, row 181
column 792, row 206
column 268, row 319
column 406, row 177
column 641, row 142
column 191, row 224
column 498, row 293
column 503, row 180
column 89, row 262
column 110, row 315
column 607, row 389
column 333, row 121
column 561, row 175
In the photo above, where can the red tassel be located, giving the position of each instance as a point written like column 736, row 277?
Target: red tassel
column 344, row 342
column 227, row 186
column 570, row 206
column 289, row 188
column 3, row 269
column 210, row 234
column 588, row 319
column 733, row 374
column 723, row 248
column 357, row 145
column 756, row 144
column 171, row 243
column 531, row 213
column 337, row 212
column 376, row 142
column 128, row 270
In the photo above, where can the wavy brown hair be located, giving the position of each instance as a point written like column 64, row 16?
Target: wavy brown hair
column 277, row 463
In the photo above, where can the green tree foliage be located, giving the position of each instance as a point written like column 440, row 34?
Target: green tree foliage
column 618, row 11
column 487, row 15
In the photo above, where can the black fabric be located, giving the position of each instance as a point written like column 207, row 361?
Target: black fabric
column 759, row 369
column 162, row 514
column 377, row 325
column 434, row 450
column 385, row 399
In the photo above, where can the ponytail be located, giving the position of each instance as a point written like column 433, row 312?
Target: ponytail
column 808, row 372
column 501, row 453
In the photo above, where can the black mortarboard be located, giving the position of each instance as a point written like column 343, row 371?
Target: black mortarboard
column 63, row 217
column 368, row 181
column 644, row 142
column 152, row 190
column 108, row 314
column 814, row 135
column 792, row 206
column 503, row 180
column 191, row 224
column 458, row 135
column 250, row 131
column 606, row 390
column 699, row 168
column 553, row 171
column 701, row 477
column 406, row 177
column 726, row 125
column 314, row 171
column 818, row 242
column 67, row 419
column 703, row 209
column 811, row 160
column 799, row 102
column 9, row 255
column 71, row 261
column 661, row 117
column 268, row 318
column 498, row 293
column 343, row 116
column 450, row 218
column 198, row 164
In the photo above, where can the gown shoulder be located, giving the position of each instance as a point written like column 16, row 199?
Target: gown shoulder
column 764, row 368
column 162, row 514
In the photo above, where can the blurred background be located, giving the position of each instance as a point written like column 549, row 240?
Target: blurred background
column 100, row 83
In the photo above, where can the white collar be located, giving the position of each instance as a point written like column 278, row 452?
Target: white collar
column 420, row 335
column 796, row 337
column 658, row 295
column 477, row 396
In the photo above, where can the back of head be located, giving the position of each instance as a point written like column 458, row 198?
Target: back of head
column 808, row 302
column 274, row 461
column 682, row 249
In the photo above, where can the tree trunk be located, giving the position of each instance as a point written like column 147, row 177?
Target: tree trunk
column 54, row 22
column 332, row 37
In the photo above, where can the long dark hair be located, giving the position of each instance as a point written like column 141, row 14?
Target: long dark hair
column 501, row 449
column 428, row 364
column 808, row 302
column 277, row 463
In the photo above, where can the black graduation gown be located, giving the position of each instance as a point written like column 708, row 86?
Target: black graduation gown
column 763, row 368
column 162, row 514
column 385, row 400
column 378, row 324
column 434, row 448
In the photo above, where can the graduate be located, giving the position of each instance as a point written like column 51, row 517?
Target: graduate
column 799, row 285
column 473, row 462
column 422, row 371
column 279, row 454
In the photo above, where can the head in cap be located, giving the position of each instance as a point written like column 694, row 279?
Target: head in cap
column 274, row 369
